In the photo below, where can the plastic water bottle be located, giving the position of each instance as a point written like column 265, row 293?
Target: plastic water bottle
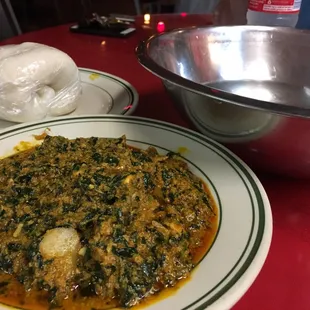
column 282, row 13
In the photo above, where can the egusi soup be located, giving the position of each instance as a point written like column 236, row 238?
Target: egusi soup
column 93, row 223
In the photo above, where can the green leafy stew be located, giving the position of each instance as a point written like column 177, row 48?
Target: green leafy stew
column 94, row 223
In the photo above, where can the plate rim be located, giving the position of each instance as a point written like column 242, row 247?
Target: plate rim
column 247, row 276
column 131, row 90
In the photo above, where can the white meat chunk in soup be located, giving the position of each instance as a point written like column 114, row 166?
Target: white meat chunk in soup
column 60, row 246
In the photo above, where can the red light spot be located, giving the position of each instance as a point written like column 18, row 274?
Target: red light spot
column 161, row 27
column 128, row 107
column 183, row 14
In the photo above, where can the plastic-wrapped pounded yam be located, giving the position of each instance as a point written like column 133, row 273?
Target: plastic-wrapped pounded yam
column 35, row 81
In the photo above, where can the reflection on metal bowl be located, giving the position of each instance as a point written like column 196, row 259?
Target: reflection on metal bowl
column 245, row 86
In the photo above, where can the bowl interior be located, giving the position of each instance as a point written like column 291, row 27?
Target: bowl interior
column 263, row 63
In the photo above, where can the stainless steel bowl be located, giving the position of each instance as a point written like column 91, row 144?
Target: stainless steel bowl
column 245, row 86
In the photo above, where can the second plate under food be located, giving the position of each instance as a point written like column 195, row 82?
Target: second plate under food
column 102, row 93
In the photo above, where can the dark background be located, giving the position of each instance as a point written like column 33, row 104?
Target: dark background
column 37, row 14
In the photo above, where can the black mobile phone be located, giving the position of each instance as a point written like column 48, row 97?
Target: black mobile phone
column 118, row 32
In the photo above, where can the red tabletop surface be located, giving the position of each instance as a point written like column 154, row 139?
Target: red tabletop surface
column 284, row 282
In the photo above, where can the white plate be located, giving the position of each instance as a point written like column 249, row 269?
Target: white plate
column 245, row 222
column 102, row 93
column 105, row 93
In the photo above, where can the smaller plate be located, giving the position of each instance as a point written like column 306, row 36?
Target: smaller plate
column 102, row 93
column 107, row 93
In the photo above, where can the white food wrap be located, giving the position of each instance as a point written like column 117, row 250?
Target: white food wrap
column 35, row 81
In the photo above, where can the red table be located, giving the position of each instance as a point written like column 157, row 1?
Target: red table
column 284, row 282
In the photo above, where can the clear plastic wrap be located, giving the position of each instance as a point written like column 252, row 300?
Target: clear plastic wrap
column 36, row 81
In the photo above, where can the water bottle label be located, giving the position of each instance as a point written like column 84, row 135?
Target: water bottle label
column 275, row 6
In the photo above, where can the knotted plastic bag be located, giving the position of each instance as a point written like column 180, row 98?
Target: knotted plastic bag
column 36, row 81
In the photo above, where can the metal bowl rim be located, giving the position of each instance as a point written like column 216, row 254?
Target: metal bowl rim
column 212, row 92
